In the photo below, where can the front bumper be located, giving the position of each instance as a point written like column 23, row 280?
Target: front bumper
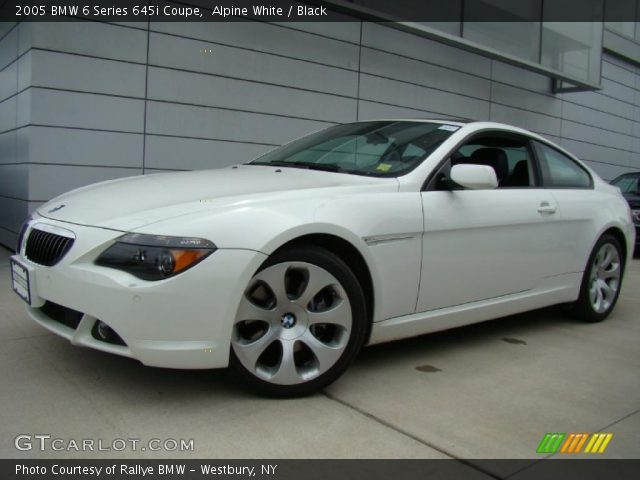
column 183, row 322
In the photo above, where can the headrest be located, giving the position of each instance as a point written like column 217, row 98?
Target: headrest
column 492, row 157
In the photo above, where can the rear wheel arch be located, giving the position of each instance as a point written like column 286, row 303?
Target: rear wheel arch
column 602, row 278
column 619, row 235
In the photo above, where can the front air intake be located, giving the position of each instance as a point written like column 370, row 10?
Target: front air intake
column 46, row 248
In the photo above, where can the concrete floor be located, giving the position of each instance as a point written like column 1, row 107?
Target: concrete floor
column 481, row 392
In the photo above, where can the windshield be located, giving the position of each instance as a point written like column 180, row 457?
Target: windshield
column 381, row 149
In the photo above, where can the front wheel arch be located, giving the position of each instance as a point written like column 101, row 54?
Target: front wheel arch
column 350, row 255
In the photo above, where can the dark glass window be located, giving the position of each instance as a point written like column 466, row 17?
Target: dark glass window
column 558, row 170
column 627, row 183
column 379, row 149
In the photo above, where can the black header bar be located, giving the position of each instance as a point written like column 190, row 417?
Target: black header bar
column 319, row 10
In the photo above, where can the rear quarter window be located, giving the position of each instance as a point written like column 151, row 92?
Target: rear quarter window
column 560, row 171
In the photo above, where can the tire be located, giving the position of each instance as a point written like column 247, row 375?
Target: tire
column 601, row 281
column 301, row 322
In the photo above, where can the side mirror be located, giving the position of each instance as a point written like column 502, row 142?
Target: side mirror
column 474, row 177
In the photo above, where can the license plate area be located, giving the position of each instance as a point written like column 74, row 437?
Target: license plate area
column 20, row 280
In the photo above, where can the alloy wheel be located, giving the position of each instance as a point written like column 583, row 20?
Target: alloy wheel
column 605, row 278
column 293, row 323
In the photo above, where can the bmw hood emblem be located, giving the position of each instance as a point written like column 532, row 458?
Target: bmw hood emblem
column 55, row 209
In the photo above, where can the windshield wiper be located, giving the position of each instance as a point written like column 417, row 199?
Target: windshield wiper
column 325, row 167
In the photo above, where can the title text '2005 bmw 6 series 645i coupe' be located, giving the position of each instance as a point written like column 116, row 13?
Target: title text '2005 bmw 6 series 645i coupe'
column 285, row 267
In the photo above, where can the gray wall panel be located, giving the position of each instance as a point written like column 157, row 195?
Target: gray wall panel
column 8, row 112
column 85, row 74
column 618, row 74
column 588, row 151
column 576, row 131
column 12, row 214
column 192, row 154
column 8, row 147
column 595, row 118
column 23, row 108
column 84, row 110
column 394, row 41
column 409, row 95
column 270, row 38
column 193, row 55
column 393, row 66
column 619, row 91
column 91, row 38
column 606, row 171
column 525, row 119
column 68, row 177
column 13, row 181
column 504, row 73
column 199, row 89
column 84, row 147
column 5, row 27
column 600, row 102
column 216, row 124
column 24, row 63
column 348, row 29
column 8, row 48
column 9, row 81
column 518, row 98
column 372, row 110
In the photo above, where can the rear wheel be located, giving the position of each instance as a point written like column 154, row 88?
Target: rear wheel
column 301, row 321
column 601, row 281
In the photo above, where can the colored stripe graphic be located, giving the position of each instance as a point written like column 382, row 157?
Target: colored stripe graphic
column 550, row 443
column 598, row 442
column 573, row 443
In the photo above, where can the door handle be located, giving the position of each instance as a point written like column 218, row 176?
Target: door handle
column 546, row 207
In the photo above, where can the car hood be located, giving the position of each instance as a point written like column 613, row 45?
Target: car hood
column 129, row 203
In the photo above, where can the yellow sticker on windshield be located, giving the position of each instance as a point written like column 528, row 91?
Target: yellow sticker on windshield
column 383, row 167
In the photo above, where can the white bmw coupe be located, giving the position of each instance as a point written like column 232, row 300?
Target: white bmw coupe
column 284, row 267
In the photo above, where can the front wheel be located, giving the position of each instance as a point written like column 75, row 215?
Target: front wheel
column 301, row 321
column 601, row 282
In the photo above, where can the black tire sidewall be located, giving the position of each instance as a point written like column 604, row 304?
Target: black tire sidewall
column 334, row 265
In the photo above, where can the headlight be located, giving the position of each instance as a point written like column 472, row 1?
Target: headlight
column 154, row 257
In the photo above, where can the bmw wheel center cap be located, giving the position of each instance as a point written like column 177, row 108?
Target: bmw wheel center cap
column 288, row 320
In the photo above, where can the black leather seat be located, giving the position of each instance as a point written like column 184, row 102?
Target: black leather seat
column 519, row 176
column 492, row 157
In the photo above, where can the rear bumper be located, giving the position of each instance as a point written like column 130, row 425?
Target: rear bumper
column 183, row 322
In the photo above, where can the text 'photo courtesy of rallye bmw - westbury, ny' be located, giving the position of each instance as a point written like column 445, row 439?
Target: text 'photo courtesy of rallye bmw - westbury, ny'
column 140, row 471
column 284, row 267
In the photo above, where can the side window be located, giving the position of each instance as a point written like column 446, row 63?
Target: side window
column 560, row 171
column 627, row 184
column 509, row 156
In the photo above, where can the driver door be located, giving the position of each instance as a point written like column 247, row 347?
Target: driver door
column 484, row 244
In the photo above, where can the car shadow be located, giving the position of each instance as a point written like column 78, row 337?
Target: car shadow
column 179, row 386
column 511, row 329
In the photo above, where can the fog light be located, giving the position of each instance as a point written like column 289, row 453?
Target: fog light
column 103, row 332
